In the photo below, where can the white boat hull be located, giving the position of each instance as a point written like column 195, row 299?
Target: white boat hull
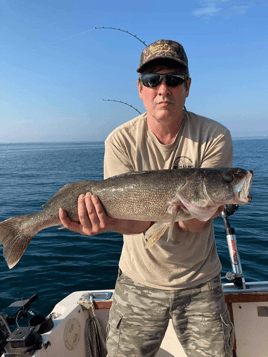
column 248, row 310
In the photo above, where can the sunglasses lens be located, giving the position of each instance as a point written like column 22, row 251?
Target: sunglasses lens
column 150, row 80
column 154, row 79
column 173, row 80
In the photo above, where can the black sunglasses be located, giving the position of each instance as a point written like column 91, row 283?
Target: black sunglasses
column 154, row 79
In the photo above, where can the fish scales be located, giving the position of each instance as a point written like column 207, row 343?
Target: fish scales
column 142, row 196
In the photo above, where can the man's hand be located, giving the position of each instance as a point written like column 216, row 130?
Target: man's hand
column 196, row 226
column 93, row 220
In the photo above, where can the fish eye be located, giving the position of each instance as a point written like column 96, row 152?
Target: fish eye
column 227, row 176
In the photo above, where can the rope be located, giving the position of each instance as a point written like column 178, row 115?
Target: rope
column 94, row 336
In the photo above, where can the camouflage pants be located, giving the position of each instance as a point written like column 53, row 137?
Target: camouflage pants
column 139, row 317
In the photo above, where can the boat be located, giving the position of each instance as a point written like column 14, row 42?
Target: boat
column 76, row 326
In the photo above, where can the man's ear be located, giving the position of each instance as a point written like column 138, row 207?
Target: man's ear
column 188, row 86
column 139, row 85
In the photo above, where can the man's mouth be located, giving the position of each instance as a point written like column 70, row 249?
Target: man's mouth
column 165, row 102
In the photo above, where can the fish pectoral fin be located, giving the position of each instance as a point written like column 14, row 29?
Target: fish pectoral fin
column 154, row 233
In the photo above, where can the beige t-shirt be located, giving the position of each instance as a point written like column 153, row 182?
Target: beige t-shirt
column 190, row 258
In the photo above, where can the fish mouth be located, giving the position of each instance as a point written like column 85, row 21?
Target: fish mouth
column 242, row 189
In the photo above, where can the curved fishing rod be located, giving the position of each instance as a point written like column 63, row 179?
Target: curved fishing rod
column 119, row 101
column 118, row 29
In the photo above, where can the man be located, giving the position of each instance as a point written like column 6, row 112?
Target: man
column 178, row 279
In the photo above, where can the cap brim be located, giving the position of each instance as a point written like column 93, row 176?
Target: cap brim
column 144, row 65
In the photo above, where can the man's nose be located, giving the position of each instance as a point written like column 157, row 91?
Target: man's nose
column 163, row 88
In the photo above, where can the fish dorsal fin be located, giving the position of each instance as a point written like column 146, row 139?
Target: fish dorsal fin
column 57, row 194
column 65, row 190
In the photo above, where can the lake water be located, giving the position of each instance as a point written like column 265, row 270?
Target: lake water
column 58, row 262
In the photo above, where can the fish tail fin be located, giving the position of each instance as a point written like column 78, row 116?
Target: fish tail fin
column 15, row 235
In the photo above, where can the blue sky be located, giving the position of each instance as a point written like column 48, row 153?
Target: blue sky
column 56, row 69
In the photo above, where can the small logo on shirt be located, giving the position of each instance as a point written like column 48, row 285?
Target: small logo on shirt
column 182, row 162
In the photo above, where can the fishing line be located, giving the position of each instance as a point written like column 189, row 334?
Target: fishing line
column 64, row 39
column 78, row 34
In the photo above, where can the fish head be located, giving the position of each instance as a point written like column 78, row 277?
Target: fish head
column 207, row 189
column 228, row 185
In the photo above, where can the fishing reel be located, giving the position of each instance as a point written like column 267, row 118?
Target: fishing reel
column 25, row 338
column 230, row 209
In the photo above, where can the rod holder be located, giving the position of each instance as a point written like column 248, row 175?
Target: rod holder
column 239, row 279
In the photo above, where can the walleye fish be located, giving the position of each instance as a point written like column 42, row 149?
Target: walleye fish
column 162, row 196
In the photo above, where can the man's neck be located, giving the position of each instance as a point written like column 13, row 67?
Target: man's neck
column 165, row 130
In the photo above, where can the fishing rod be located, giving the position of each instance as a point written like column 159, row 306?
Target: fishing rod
column 119, row 101
column 135, row 36
column 237, row 274
column 118, row 29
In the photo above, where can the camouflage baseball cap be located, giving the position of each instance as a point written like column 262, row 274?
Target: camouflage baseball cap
column 163, row 49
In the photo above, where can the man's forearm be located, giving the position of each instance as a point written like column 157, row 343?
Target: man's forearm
column 128, row 226
column 193, row 225
column 196, row 226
